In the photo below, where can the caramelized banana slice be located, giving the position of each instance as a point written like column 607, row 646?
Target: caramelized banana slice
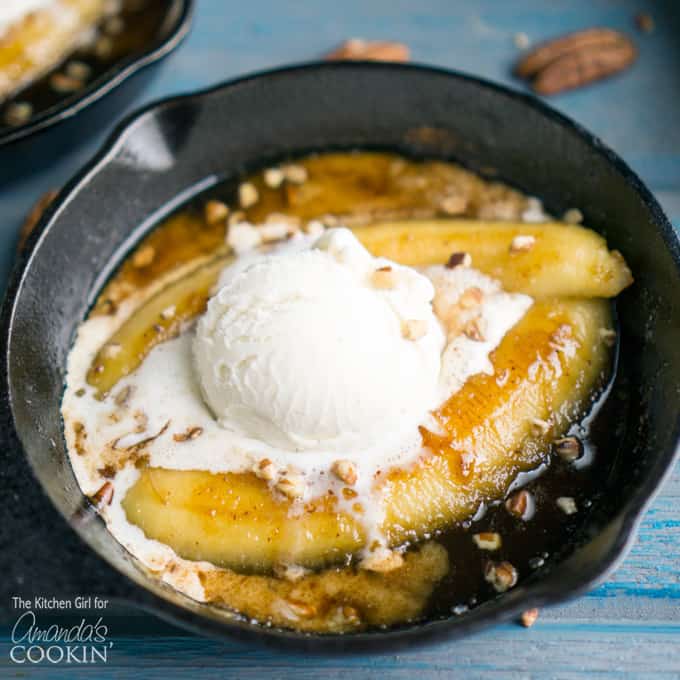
column 42, row 39
column 564, row 260
column 233, row 520
column 545, row 370
column 158, row 319
column 541, row 260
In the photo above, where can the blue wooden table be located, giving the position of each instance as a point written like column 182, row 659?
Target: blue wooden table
column 628, row 626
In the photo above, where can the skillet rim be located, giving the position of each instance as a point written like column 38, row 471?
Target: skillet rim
column 543, row 591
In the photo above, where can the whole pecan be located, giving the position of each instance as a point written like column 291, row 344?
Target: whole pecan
column 371, row 50
column 576, row 59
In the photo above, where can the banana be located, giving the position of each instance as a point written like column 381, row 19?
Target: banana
column 159, row 318
column 42, row 39
column 564, row 261
column 557, row 260
column 546, row 368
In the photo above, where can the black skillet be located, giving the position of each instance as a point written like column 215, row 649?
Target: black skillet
column 170, row 151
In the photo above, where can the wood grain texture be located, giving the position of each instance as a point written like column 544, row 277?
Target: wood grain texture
column 628, row 627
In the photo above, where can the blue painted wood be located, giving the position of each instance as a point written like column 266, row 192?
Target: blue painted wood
column 630, row 625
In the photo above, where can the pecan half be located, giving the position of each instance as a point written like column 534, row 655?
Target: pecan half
column 371, row 50
column 576, row 59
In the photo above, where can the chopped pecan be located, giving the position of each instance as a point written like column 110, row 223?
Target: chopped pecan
column 529, row 617
column 346, row 471
column 488, row 540
column 459, row 260
column 521, row 504
column 215, row 211
column 568, row 449
column 382, row 560
column 103, row 496
column 501, row 575
column 188, row 434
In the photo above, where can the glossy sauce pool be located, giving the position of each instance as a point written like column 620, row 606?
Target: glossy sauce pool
column 367, row 187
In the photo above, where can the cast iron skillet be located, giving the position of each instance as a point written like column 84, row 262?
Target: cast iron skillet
column 171, row 30
column 168, row 152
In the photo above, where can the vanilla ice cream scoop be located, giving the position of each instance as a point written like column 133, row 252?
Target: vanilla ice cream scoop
column 320, row 349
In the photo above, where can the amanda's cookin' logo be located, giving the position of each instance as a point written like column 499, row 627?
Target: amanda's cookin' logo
column 82, row 643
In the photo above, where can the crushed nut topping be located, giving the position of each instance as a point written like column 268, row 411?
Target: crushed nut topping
column 190, row 433
column 17, row 113
column 346, row 471
column 294, row 610
column 78, row 70
column 265, row 469
column 573, row 216
column 487, row 540
column 243, row 237
column 470, row 298
column 215, row 211
column 273, row 232
column 414, row 329
column 103, row 496
column 144, row 256
column 459, row 260
column 475, row 330
column 273, row 177
column 567, row 505
column 521, row 504
column 382, row 560
column 608, row 336
column 236, row 217
column 248, row 195
column 168, row 312
column 290, row 572
column 295, row 174
column 291, row 485
column 103, row 48
column 503, row 377
column 60, row 82
column 384, row 278
column 522, row 243
column 454, row 205
column 108, row 471
column 501, row 575
column 568, row 448
column 345, row 614
column 529, row 617
column 314, row 228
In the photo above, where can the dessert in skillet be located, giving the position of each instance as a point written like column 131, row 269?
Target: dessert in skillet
column 51, row 49
column 298, row 402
